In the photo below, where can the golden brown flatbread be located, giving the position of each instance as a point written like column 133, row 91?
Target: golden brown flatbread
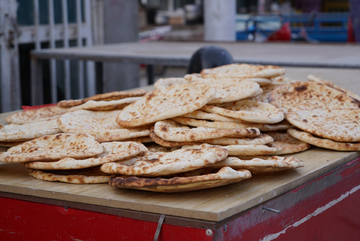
column 36, row 115
column 165, row 103
column 286, row 144
column 53, row 147
column 80, row 176
column 190, row 181
column 160, row 164
column 115, row 95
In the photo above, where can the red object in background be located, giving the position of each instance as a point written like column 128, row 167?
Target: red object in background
column 350, row 32
column 282, row 34
column 25, row 107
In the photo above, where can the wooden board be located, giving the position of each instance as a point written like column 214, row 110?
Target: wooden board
column 213, row 204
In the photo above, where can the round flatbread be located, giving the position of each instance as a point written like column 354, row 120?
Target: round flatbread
column 53, row 147
column 243, row 71
column 81, row 176
column 190, row 181
column 28, row 131
column 159, row 164
column 240, row 150
column 323, row 143
column 341, row 125
column 104, row 105
column 355, row 97
column 115, row 95
column 113, row 151
column 286, row 144
column 309, row 96
column 165, row 103
column 165, row 143
column 248, row 110
column 36, row 115
column 224, row 141
column 171, row 131
column 100, row 124
column 262, row 164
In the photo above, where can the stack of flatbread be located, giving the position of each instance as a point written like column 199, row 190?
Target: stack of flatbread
column 324, row 114
column 200, row 131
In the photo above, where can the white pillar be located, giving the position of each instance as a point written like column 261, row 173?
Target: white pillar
column 220, row 20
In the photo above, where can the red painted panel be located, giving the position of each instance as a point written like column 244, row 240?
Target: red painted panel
column 22, row 220
column 314, row 218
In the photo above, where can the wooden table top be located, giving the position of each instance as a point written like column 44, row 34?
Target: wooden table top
column 212, row 205
column 179, row 53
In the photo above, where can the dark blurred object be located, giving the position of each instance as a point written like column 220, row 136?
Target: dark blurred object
column 355, row 18
column 307, row 6
column 209, row 57
column 350, row 33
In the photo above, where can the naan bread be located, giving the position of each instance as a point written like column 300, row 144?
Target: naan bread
column 240, row 150
column 10, row 144
column 355, row 97
column 248, row 110
column 171, row 131
column 160, row 164
column 165, row 103
column 53, row 147
column 224, row 141
column 165, row 143
column 28, row 131
column 341, row 125
column 166, row 82
column 104, row 105
column 190, row 181
column 309, row 96
column 243, row 71
column 324, row 143
column 36, row 115
column 201, row 115
column 228, row 90
column 100, row 124
column 286, row 144
column 82, row 176
column 115, row 95
column 113, row 151
column 263, row 164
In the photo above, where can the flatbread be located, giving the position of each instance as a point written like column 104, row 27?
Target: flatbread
column 286, row 144
column 115, row 95
column 165, row 103
column 341, row 125
column 160, row 164
column 190, row 181
column 36, row 115
column 224, row 141
column 228, row 90
column 309, row 96
column 243, row 71
column 82, row 176
column 171, row 131
column 10, row 144
column 201, row 115
column 240, row 150
column 165, row 143
column 248, row 110
column 217, row 124
column 263, row 164
column 113, row 151
column 100, row 124
column 282, row 80
column 354, row 96
column 166, row 82
column 324, row 143
column 105, row 105
column 53, row 147
column 28, row 131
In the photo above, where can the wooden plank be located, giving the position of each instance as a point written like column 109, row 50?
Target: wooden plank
column 212, row 205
